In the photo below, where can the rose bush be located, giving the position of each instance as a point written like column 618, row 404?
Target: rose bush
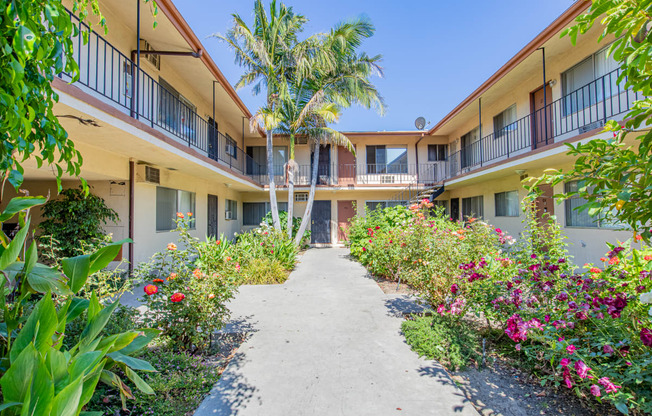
column 584, row 328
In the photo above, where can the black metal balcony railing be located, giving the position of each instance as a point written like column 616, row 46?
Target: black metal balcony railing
column 581, row 110
column 110, row 73
column 360, row 174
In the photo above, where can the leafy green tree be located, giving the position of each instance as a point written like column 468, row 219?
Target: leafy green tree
column 616, row 174
column 75, row 218
column 264, row 50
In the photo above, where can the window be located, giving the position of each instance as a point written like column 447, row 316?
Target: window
column 436, row 152
column 257, row 165
column 387, row 159
column 470, row 148
column 230, row 209
column 506, row 204
column 168, row 203
column 437, row 203
column 175, row 112
column 253, row 212
column 505, row 122
column 575, row 218
column 473, row 207
column 231, row 147
column 578, row 83
column 372, row 205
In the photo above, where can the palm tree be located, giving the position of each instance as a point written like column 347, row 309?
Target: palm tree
column 265, row 51
column 338, row 78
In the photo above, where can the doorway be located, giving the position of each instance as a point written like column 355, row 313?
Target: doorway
column 345, row 212
column 455, row 209
column 324, row 167
column 541, row 121
column 346, row 166
column 212, row 216
column 321, row 222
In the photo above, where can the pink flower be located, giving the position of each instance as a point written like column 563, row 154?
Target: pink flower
column 607, row 349
column 455, row 288
column 564, row 362
column 571, row 348
column 595, row 390
column 567, row 379
column 498, row 230
column 441, row 309
column 364, row 248
column 609, row 387
column 646, row 337
column 582, row 369
column 518, row 347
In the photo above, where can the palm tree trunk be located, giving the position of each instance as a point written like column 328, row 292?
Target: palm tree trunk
column 272, row 186
column 290, row 172
column 311, row 197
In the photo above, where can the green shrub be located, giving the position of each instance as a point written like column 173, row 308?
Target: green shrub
column 283, row 217
column 180, row 383
column 74, row 219
column 450, row 341
column 263, row 271
column 186, row 295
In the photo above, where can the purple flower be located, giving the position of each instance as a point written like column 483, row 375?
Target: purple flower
column 595, row 390
column 646, row 337
column 533, row 256
column 607, row 349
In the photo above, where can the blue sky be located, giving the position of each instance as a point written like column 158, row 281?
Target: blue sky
column 434, row 52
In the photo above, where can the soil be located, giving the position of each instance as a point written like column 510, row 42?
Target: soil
column 391, row 287
column 505, row 390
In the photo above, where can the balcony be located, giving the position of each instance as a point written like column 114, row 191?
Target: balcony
column 578, row 112
column 111, row 76
column 356, row 174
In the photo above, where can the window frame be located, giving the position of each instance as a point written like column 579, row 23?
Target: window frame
column 594, row 223
column 384, row 167
column 231, row 205
column 472, row 199
column 178, row 193
column 282, row 206
column 230, row 142
column 438, row 148
column 508, row 127
column 515, row 212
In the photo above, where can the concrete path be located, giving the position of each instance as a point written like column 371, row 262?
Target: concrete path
column 328, row 342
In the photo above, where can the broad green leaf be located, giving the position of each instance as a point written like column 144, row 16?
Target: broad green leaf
column 11, row 253
column 102, row 257
column 144, row 337
column 30, row 258
column 67, row 401
column 41, row 392
column 139, row 382
column 38, row 329
column 90, row 383
column 77, row 307
column 77, row 271
column 8, row 405
column 44, row 279
column 23, row 42
column 118, row 341
column 84, row 364
column 20, row 203
column 133, row 363
column 16, row 381
column 57, row 364
column 97, row 323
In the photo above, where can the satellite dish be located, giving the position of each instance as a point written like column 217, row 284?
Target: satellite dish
column 420, row 123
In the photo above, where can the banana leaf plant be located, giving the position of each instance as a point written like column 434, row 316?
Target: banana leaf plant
column 38, row 375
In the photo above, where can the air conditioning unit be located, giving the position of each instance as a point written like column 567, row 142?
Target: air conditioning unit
column 228, row 215
column 153, row 59
column 301, row 197
column 388, row 179
column 148, row 174
column 591, row 126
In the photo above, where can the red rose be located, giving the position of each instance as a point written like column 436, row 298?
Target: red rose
column 150, row 289
column 177, row 297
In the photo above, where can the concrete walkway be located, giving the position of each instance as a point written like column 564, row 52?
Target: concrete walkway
column 327, row 342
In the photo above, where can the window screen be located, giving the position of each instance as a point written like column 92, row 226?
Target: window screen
column 168, row 203
column 473, row 207
column 506, row 204
column 253, row 212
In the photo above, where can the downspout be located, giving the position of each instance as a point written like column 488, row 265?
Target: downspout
column 132, row 191
column 416, row 152
column 480, row 128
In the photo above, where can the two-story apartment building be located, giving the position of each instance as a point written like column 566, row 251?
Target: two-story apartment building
column 168, row 133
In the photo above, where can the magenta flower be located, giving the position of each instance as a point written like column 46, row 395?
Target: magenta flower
column 595, row 390
column 646, row 337
column 571, row 348
column 582, row 369
column 455, row 288
column 607, row 349
column 609, row 387
column 567, row 379
column 564, row 362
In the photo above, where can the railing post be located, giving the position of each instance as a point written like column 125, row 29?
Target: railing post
column 604, row 102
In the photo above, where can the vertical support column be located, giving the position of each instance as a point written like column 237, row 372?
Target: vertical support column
column 480, row 129
column 545, row 98
column 132, row 205
column 136, row 81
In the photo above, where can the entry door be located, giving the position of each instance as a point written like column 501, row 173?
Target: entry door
column 321, row 222
column 324, row 168
column 455, row 209
column 544, row 204
column 212, row 216
column 346, row 169
column 345, row 212
column 542, row 126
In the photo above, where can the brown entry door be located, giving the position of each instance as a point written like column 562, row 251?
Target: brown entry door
column 542, row 125
column 346, row 166
column 345, row 213
column 544, row 204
